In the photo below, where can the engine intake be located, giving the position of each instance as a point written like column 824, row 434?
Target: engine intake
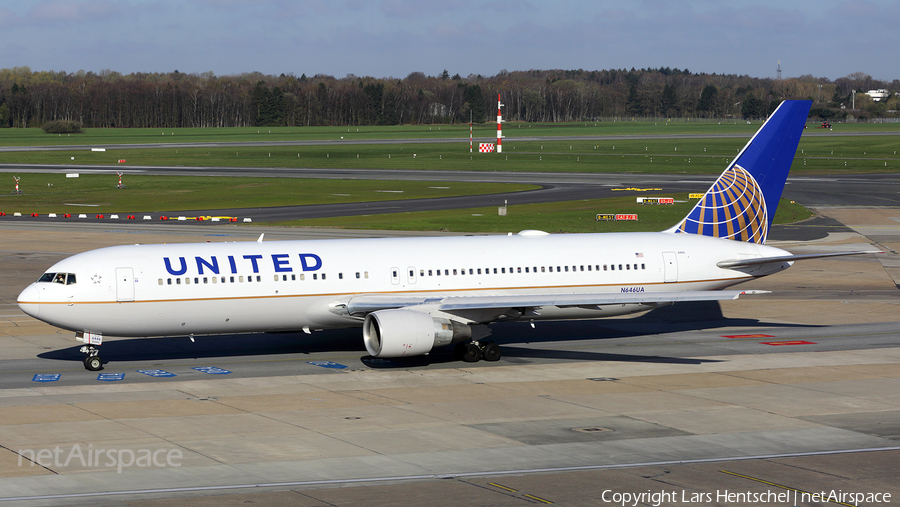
column 400, row 333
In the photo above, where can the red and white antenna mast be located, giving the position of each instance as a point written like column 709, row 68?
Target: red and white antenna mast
column 499, row 128
column 470, row 131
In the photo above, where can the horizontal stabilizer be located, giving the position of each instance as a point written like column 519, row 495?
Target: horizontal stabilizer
column 743, row 263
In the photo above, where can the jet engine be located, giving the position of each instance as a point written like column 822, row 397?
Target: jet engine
column 400, row 333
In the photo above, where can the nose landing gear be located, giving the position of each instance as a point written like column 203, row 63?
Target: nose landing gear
column 92, row 362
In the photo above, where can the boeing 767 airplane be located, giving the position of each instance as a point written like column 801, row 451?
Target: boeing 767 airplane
column 410, row 295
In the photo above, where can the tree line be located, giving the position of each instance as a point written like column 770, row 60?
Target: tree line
column 175, row 99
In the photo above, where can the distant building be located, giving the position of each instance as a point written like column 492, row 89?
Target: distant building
column 878, row 95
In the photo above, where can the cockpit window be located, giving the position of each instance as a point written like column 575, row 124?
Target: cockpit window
column 61, row 278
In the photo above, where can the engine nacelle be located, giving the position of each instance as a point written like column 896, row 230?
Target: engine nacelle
column 400, row 333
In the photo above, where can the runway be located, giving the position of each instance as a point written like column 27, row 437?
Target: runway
column 791, row 391
column 419, row 140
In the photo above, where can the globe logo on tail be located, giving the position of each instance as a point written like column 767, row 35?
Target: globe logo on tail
column 734, row 208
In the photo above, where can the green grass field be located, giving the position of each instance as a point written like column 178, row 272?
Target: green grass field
column 816, row 155
column 54, row 193
column 37, row 137
column 820, row 154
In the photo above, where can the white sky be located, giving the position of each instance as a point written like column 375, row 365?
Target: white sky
column 392, row 38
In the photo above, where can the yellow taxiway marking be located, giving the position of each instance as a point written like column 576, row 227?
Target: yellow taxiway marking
column 788, row 488
column 526, row 495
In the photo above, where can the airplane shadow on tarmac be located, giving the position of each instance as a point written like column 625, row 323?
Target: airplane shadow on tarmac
column 511, row 336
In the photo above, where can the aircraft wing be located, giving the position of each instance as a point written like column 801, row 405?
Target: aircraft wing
column 743, row 263
column 371, row 303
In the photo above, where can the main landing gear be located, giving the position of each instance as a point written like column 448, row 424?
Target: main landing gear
column 472, row 352
column 92, row 362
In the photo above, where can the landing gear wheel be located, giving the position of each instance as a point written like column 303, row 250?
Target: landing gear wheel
column 491, row 352
column 472, row 353
column 93, row 363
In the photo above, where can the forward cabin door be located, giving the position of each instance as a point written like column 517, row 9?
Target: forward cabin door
column 124, row 284
column 670, row 267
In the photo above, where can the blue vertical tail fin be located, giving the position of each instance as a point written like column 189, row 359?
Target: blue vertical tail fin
column 742, row 202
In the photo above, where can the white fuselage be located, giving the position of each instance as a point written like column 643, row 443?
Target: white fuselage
column 212, row 288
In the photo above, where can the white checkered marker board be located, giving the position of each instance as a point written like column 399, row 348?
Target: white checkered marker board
column 485, row 147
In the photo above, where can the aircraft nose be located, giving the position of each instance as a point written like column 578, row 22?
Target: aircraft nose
column 29, row 300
